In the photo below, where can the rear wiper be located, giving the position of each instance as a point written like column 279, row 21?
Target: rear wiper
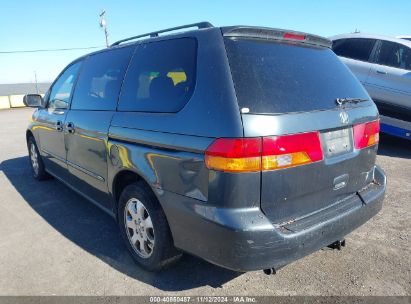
column 341, row 101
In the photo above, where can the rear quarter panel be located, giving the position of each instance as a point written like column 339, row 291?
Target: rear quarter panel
column 166, row 161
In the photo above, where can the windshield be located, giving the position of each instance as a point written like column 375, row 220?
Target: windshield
column 272, row 77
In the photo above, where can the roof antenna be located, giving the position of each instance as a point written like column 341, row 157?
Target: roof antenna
column 357, row 31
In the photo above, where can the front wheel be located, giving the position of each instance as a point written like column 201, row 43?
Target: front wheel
column 145, row 229
column 36, row 161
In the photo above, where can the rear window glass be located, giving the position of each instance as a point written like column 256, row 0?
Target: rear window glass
column 161, row 76
column 272, row 77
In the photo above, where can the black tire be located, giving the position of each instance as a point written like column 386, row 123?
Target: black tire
column 39, row 173
column 163, row 253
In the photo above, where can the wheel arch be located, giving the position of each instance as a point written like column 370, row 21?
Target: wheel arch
column 127, row 177
column 122, row 179
column 29, row 134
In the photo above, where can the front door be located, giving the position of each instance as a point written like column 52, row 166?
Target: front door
column 51, row 122
column 356, row 53
column 390, row 78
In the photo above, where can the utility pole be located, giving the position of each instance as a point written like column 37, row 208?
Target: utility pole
column 103, row 25
column 35, row 81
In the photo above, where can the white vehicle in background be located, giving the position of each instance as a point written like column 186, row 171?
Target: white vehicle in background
column 383, row 65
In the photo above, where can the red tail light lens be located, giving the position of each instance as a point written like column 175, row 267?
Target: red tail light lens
column 367, row 134
column 291, row 150
column 234, row 155
column 268, row 153
column 293, row 36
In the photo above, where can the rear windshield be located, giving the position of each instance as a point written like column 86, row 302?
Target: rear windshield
column 273, row 77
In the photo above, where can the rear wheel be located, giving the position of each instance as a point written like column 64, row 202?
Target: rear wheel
column 145, row 229
column 36, row 161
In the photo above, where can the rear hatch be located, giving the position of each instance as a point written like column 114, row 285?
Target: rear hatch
column 295, row 94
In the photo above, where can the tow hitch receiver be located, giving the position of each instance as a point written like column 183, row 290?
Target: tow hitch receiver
column 337, row 244
column 270, row 271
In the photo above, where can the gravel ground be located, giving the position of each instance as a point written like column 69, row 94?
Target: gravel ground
column 53, row 242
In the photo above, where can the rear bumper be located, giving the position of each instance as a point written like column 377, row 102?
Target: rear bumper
column 245, row 240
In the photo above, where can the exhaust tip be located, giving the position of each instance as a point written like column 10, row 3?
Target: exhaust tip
column 269, row 271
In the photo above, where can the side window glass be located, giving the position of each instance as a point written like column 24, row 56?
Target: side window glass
column 60, row 93
column 394, row 55
column 354, row 48
column 161, row 76
column 100, row 80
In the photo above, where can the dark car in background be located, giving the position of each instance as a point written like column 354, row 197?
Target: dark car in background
column 248, row 147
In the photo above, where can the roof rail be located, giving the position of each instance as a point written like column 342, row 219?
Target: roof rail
column 199, row 25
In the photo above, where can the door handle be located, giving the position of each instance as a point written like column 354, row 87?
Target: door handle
column 59, row 126
column 381, row 72
column 70, row 128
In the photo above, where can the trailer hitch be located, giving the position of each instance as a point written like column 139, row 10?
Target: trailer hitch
column 337, row 244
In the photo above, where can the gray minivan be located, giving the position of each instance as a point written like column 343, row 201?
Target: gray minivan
column 248, row 147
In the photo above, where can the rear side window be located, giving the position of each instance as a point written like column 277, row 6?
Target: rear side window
column 273, row 77
column 354, row 48
column 394, row 55
column 100, row 80
column 161, row 77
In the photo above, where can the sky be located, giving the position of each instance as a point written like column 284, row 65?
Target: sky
column 43, row 24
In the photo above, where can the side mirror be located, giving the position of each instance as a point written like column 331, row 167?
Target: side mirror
column 33, row 101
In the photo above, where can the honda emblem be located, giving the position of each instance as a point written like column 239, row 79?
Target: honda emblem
column 344, row 117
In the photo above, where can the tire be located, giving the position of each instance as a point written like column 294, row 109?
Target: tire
column 145, row 229
column 36, row 162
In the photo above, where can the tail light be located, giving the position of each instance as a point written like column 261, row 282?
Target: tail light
column 367, row 134
column 291, row 150
column 234, row 155
column 268, row 153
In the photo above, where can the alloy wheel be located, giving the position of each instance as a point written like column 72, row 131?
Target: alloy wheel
column 34, row 158
column 139, row 228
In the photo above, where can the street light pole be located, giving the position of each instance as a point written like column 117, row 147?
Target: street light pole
column 35, row 81
column 103, row 24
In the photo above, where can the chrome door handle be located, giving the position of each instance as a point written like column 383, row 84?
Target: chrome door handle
column 70, row 128
column 59, row 126
column 381, row 72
